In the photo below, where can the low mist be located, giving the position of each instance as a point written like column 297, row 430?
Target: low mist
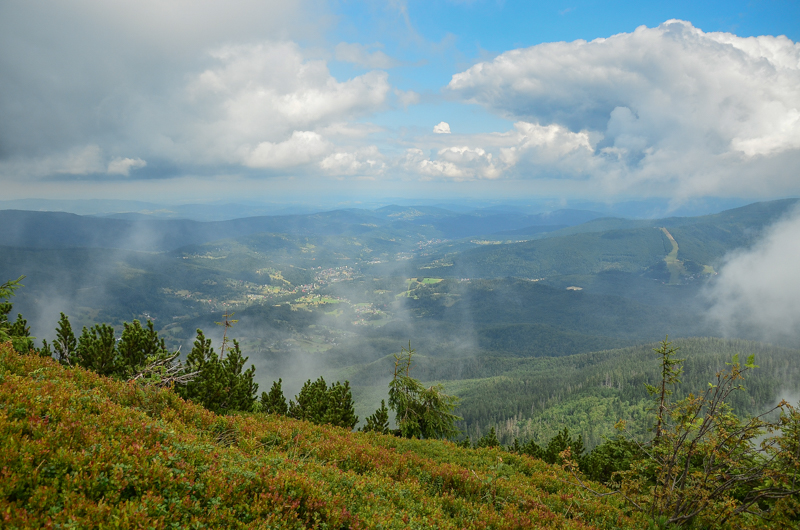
column 757, row 293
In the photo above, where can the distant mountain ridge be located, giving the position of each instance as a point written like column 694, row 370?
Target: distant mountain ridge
column 34, row 229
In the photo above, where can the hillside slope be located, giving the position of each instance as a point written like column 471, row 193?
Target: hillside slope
column 80, row 450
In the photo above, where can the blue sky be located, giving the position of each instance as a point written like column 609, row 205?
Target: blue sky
column 323, row 100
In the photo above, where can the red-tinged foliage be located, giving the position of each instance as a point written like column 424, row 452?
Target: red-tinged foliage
column 82, row 450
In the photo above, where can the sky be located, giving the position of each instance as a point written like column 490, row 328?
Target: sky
column 317, row 100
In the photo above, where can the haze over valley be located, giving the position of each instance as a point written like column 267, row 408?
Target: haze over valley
column 480, row 294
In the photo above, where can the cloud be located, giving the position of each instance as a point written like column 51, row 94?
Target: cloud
column 531, row 148
column 669, row 109
column 360, row 55
column 303, row 147
column 123, row 166
column 757, row 292
column 459, row 163
column 545, row 145
column 263, row 93
column 185, row 85
column 93, row 72
column 86, row 161
column 366, row 161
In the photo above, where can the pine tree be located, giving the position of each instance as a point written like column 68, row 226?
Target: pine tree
column 18, row 332
column 322, row 405
column 220, row 384
column 21, row 332
column 7, row 291
column 560, row 443
column 136, row 345
column 97, row 350
column 340, row 411
column 275, row 401
column 378, row 421
column 311, row 403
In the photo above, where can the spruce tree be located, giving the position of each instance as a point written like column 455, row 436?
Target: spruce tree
column 207, row 389
column 65, row 344
column 241, row 387
column 420, row 412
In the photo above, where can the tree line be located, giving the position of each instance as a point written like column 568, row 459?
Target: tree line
column 218, row 380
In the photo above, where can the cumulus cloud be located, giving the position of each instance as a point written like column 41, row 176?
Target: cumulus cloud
column 546, row 145
column 263, row 93
column 757, row 291
column 442, row 128
column 529, row 147
column 672, row 108
column 360, row 55
column 366, row 161
column 459, row 163
column 303, row 147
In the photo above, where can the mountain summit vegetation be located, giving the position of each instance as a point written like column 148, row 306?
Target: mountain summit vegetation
column 83, row 450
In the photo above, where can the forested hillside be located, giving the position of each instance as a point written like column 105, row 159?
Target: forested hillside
column 535, row 398
column 501, row 317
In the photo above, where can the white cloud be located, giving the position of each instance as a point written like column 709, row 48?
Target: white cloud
column 458, row 163
column 367, row 161
column 123, row 166
column 669, row 109
column 302, row 148
column 442, row 128
column 259, row 94
column 757, row 290
column 544, row 144
column 529, row 147
column 359, row 54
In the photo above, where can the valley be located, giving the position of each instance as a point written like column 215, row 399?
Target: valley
column 533, row 327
